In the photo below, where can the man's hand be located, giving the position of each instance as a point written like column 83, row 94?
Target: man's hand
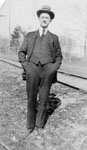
column 24, row 65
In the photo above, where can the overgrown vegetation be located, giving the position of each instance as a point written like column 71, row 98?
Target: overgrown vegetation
column 10, row 47
column 16, row 38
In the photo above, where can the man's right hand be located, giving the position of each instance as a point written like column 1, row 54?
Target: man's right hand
column 24, row 65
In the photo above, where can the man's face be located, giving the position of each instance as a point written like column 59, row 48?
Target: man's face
column 44, row 20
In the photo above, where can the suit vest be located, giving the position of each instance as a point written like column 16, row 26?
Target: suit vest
column 41, row 51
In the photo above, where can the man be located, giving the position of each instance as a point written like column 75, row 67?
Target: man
column 43, row 59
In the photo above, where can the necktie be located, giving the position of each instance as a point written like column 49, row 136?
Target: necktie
column 43, row 33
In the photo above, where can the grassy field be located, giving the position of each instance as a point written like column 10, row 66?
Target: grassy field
column 66, row 127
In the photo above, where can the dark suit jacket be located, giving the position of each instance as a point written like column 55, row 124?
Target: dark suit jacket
column 27, row 46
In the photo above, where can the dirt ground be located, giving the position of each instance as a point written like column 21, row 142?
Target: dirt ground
column 66, row 127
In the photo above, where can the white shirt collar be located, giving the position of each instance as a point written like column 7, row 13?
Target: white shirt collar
column 41, row 31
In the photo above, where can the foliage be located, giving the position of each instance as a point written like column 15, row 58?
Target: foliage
column 67, row 44
column 16, row 38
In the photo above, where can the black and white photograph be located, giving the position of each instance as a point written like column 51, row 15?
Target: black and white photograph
column 43, row 74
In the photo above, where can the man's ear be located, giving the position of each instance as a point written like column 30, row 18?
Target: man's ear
column 50, row 20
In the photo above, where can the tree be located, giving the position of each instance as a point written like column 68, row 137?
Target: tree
column 17, row 38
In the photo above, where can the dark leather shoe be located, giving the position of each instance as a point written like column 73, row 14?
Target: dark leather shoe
column 27, row 133
column 39, row 128
column 30, row 130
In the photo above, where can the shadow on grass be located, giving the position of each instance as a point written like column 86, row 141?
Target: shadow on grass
column 52, row 104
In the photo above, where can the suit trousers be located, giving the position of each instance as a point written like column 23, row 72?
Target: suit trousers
column 38, row 80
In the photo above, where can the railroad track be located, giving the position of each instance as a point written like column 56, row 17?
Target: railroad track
column 68, row 79
column 3, row 146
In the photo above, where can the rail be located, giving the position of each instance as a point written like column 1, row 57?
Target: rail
column 68, row 79
column 4, row 146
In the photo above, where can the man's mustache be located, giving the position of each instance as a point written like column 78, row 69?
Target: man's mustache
column 44, row 21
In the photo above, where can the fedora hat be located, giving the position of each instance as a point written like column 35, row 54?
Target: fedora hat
column 46, row 9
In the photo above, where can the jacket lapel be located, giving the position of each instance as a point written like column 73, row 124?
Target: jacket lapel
column 31, row 43
column 52, row 44
column 32, row 38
